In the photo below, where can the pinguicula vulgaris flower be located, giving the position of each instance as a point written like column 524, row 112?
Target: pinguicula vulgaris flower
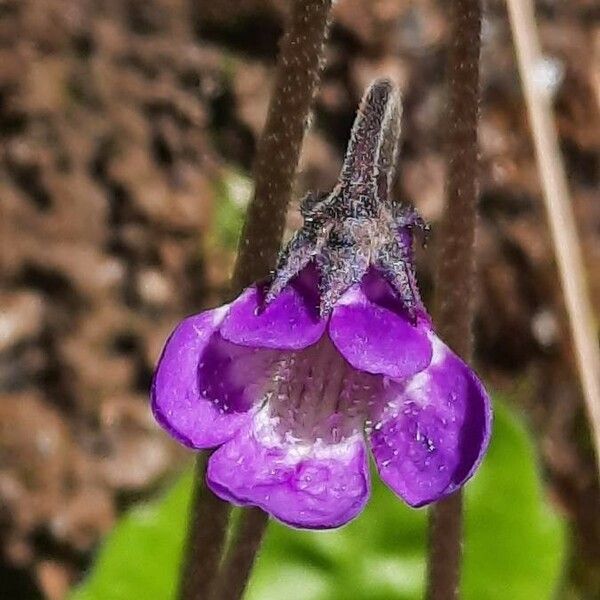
column 294, row 379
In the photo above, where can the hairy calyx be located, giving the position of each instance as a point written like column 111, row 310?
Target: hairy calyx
column 357, row 226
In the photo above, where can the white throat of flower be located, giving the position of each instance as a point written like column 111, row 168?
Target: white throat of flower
column 315, row 399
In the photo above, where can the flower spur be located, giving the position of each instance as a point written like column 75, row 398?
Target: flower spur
column 290, row 381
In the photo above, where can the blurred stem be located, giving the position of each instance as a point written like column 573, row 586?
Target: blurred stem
column 560, row 213
column 455, row 277
column 235, row 572
column 209, row 517
column 278, row 154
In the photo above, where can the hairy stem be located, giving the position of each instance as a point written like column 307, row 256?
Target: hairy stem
column 207, row 530
column 278, row 154
column 239, row 560
column 455, row 277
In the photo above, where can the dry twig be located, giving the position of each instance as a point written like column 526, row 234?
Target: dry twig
column 558, row 206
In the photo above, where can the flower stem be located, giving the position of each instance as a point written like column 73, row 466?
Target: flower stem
column 278, row 154
column 239, row 560
column 455, row 277
column 206, row 537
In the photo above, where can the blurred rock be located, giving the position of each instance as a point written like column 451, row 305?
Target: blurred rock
column 35, row 451
column 83, row 517
column 54, row 578
column 21, row 318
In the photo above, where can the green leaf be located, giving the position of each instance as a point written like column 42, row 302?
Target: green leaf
column 140, row 557
column 514, row 546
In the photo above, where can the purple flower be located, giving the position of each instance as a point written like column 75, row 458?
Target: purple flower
column 293, row 379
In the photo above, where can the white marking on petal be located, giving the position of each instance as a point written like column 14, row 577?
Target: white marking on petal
column 351, row 296
column 267, row 432
column 417, row 387
column 219, row 314
column 439, row 350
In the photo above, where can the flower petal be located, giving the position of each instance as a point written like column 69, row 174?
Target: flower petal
column 308, row 486
column 433, row 434
column 202, row 386
column 291, row 321
column 374, row 338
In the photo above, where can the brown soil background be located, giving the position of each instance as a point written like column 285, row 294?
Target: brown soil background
column 118, row 119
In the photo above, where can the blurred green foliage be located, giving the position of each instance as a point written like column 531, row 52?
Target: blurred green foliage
column 232, row 193
column 514, row 546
